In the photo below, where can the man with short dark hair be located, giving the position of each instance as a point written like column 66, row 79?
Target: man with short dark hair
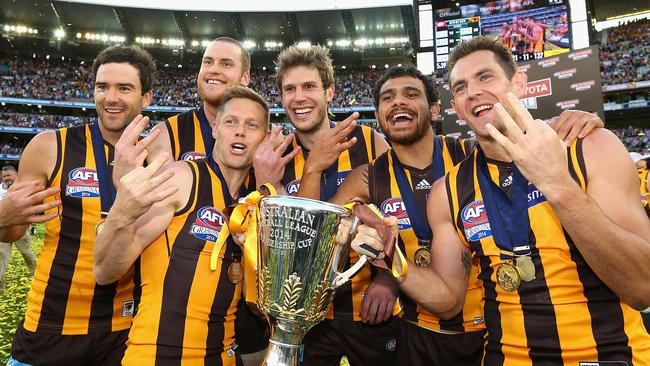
column 24, row 244
column 559, row 233
column 70, row 319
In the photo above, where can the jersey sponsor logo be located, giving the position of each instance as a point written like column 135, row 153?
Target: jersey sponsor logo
column 424, row 184
column 395, row 207
column 82, row 183
column 341, row 177
column 293, row 187
column 208, row 223
column 193, row 155
column 535, row 197
column 391, row 345
column 475, row 221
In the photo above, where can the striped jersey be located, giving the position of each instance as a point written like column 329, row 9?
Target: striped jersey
column 190, row 135
column 566, row 315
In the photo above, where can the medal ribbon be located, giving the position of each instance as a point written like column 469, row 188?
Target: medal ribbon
column 508, row 218
column 418, row 220
column 206, row 131
column 240, row 221
column 107, row 191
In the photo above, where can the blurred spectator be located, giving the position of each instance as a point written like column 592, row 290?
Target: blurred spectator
column 624, row 57
column 634, row 138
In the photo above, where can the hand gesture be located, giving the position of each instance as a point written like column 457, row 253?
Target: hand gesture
column 23, row 203
column 572, row 124
column 129, row 149
column 534, row 147
column 331, row 144
column 268, row 161
column 142, row 187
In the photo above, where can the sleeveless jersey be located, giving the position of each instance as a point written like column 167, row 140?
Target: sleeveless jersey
column 567, row 315
column 64, row 298
column 187, row 311
column 190, row 135
column 645, row 195
column 385, row 194
column 347, row 301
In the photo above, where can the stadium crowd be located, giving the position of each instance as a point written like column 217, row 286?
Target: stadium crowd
column 634, row 138
column 624, row 56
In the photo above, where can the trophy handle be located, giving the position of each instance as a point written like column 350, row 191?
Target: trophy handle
column 344, row 277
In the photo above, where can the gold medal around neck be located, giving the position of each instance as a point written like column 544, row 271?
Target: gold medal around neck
column 525, row 267
column 508, row 277
column 235, row 273
column 99, row 227
column 422, row 257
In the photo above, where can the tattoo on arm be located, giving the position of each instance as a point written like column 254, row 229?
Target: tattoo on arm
column 364, row 176
column 467, row 263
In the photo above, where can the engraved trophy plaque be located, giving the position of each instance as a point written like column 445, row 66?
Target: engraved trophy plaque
column 302, row 249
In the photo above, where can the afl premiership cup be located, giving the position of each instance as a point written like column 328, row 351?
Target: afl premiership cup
column 302, row 249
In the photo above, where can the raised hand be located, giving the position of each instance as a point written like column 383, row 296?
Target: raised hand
column 129, row 149
column 23, row 204
column 331, row 144
column 269, row 162
column 142, row 187
column 533, row 145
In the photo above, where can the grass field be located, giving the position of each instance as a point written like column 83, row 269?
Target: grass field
column 13, row 300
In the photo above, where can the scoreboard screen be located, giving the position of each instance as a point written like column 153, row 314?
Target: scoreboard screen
column 449, row 33
column 531, row 29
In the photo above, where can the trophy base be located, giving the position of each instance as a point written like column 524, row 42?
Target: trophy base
column 281, row 354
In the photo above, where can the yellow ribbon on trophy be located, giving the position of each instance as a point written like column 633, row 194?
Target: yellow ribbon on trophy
column 240, row 221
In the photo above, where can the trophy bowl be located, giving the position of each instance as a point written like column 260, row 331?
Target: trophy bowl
column 303, row 247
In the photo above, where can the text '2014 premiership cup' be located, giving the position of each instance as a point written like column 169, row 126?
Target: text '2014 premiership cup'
column 302, row 248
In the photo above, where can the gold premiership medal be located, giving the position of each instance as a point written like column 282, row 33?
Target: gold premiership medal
column 99, row 227
column 235, row 273
column 525, row 267
column 422, row 257
column 508, row 277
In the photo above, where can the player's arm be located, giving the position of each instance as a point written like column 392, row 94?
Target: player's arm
column 608, row 224
column 143, row 209
column 381, row 146
column 23, row 202
column 441, row 287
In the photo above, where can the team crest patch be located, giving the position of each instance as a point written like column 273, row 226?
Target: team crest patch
column 207, row 224
column 128, row 308
column 475, row 221
column 82, row 183
column 395, row 207
column 193, row 155
column 293, row 187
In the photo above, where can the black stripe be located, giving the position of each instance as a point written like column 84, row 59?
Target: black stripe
column 186, row 133
column 137, row 286
column 178, row 282
column 358, row 151
column 57, row 164
column 101, row 308
column 373, row 145
column 59, row 281
column 581, row 160
column 290, row 168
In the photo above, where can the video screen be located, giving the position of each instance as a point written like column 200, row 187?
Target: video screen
column 531, row 29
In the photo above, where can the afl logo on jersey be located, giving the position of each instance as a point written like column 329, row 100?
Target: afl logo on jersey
column 293, row 187
column 193, row 155
column 395, row 207
column 82, row 183
column 475, row 221
column 208, row 223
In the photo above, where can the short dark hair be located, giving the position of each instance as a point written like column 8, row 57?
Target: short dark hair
column 140, row 59
column 481, row 43
column 317, row 57
column 430, row 88
column 9, row 168
column 245, row 56
column 244, row 92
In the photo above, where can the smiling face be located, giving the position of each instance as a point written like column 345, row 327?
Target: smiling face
column 240, row 128
column 304, row 98
column 118, row 95
column 477, row 83
column 221, row 65
column 403, row 112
